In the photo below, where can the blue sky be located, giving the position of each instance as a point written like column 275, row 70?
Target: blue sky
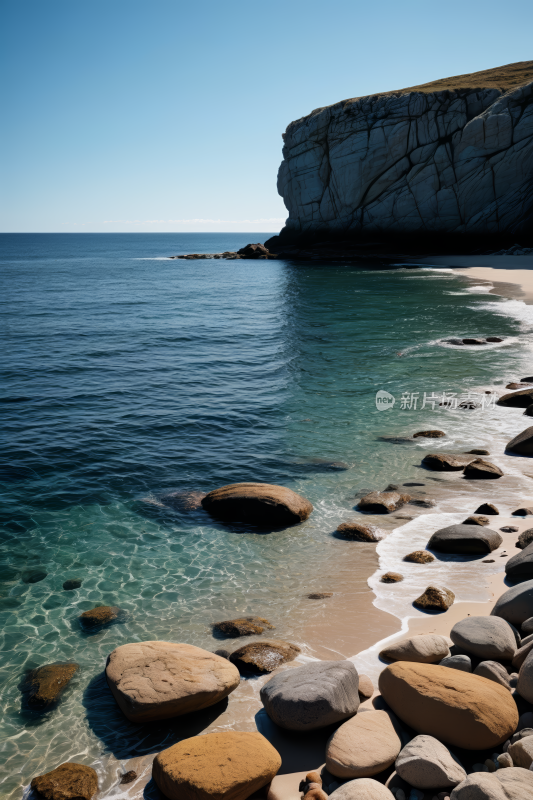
column 161, row 115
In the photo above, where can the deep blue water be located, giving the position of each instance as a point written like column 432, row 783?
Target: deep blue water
column 125, row 376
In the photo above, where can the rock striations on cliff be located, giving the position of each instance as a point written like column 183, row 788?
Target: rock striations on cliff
column 452, row 156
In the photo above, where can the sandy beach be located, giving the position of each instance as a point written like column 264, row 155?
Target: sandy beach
column 512, row 276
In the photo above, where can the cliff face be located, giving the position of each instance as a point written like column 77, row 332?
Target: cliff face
column 447, row 157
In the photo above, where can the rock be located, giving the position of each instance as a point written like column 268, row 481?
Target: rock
column 34, row 577
column 474, row 520
column 362, row 789
column 484, row 638
column 465, row 539
column 73, row 583
column 99, row 616
column 521, row 654
column 517, row 386
column 422, row 503
column 493, row 672
column 231, row 765
column 159, row 680
column 319, row 595
column 527, row 626
column 525, row 721
column 366, row 687
column 363, row 746
column 435, row 598
column 482, row 469
column 262, row 504
column 419, row 557
column 67, row 782
column 509, row 529
column 246, row 626
column 523, row 512
column 48, row 683
column 350, row 181
column 360, row 532
column 494, row 339
column 505, row 760
column 128, row 777
column 429, row 434
column 522, row 443
column 313, row 696
column 383, row 502
column 516, row 604
column 253, row 250
column 462, row 663
column 505, row 784
column 464, row 711
column 529, row 411
column 488, row 561
column 521, row 399
column 427, row 764
column 474, row 341
column 480, row 453
column 526, row 380
column 262, row 657
column 525, row 538
column 520, row 566
column 446, row 462
column 424, row 649
column 522, row 753
column 391, row 577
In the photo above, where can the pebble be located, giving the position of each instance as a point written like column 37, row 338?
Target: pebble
column 491, row 766
column 505, row 760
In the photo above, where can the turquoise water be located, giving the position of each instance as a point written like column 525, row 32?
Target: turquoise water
column 127, row 376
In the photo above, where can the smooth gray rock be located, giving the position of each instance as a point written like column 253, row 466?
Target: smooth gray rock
column 522, row 752
column 313, row 696
column 525, row 679
column 427, row 764
column 484, row 637
column 527, row 626
column 521, row 654
column 520, row 566
column 362, row 789
column 523, row 443
column 516, row 604
column 462, row 663
column 524, row 539
column 381, row 163
column 514, row 783
column 493, row 672
column 521, row 399
column 525, row 721
column 465, row 539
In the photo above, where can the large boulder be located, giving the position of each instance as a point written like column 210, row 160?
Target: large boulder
column 426, row 763
column 516, row 604
column 262, row 657
column 363, row 746
column 362, row 789
column 488, row 638
column 525, row 679
column 159, row 680
column 313, row 696
column 360, row 531
column 493, row 671
column 487, row 508
column 424, row 649
column 460, row 662
column 513, row 783
column 262, row 504
column 456, row 707
column 521, row 399
column 482, row 469
column 520, row 566
column 524, row 539
column 67, row 782
column 383, row 502
column 471, row 539
column 47, row 683
column 218, row 766
column 522, row 443
column 447, row 462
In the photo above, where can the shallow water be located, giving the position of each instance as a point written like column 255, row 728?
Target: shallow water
column 126, row 377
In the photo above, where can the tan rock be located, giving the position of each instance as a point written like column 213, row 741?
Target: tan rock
column 48, row 682
column 159, row 680
column 362, row 789
column 262, row 657
column 391, row 577
column 67, row 782
column 419, row 557
column 476, row 519
column 426, row 763
column 383, row 502
column 427, row 648
column 435, row 598
column 245, row 626
column 319, row 595
column 363, row 746
column 522, row 752
column 217, row 766
column 101, row 615
column 456, row 707
column 515, row 783
column 360, row 532
column 366, row 687
column 262, row 504
column 429, row 434
column 482, row 469
column 446, row 462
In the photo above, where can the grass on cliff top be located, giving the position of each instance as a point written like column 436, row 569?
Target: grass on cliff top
column 504, row 78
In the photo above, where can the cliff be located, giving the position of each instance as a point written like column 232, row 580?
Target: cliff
column 454, row 156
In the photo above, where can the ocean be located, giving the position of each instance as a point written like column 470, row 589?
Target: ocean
column 127, row 377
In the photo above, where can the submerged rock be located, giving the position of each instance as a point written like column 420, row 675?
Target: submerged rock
column 446, row 462
column 67, row 782
column 48, row 683
column 360, row 532
column 34, row 576
column 479, row 452
column 383, row 502
column 265, row 656
column 128, row 777
column 245, row 626
column 319, row 595
column 71, row 584
column 435, row 598
column 99, row 616
column 262, row 504
column 429, row 434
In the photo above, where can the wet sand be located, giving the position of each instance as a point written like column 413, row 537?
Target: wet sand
column 512, row 276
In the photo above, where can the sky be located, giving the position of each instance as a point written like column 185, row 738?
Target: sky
column 164, row 115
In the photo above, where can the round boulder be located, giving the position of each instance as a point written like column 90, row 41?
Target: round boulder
column 456, row 707
column 462, row 539
column 516, row 604
column 487, row 508
column 524, row 539
column 462, row 663
column 493, row 671
column 426, row 763
column 67, row 782
column 313, row 696
column 522, row 444
column 362, row 789
column 484, row 637
column 363, row 746
column 484, row 470
column 262, row 504
column 366, row 687
column 446, row 462
column 521, row 399
column 424, row 649
column 360, row 532
column 217, row 766
column 159, row 680
column 435, row 598
column 520, row 566
column 419, row 557
column 513, row 783
column 99, row 616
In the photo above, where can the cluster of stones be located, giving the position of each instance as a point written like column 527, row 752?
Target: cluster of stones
column 247, row 252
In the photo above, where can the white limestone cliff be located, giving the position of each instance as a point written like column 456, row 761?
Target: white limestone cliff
column 426, row 160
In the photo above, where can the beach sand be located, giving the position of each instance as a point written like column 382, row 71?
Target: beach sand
column 512, row 276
